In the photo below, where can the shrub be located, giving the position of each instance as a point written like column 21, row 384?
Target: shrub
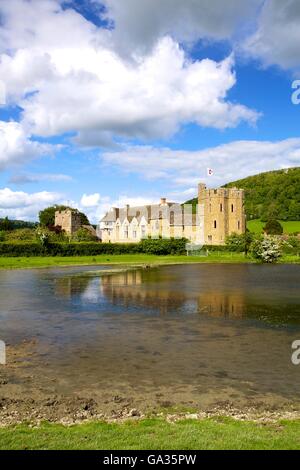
column 21, row 234
column 53, row 235
column 84, row 235
column 291, row 246
column 2, row 236
column 163, row 246
column 239, row 243
column 273, row 227
column 266, row 249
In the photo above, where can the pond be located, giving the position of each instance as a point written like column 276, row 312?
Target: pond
column 188, row 335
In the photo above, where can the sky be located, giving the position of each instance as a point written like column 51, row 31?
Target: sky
column 112, row 102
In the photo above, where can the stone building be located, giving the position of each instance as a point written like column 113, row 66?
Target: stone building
column 163, row 220
column 69, row 221
column 223, row 213
column 220, row 212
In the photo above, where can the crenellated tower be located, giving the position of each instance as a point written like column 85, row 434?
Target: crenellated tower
column 223, row 213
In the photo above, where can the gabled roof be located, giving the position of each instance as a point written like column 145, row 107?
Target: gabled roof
column 150, row 212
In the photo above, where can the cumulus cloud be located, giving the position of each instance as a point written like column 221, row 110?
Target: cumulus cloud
column 16, row 147
column 22, row 205
column 229, row 161
column 90, row 200
column 139, row 24
column 276, row 38
column 57, row 77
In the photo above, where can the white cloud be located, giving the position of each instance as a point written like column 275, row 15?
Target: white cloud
column 22, row 205
column 90, row 200
column 57, row 65
column 229, row 161
column 277, row 36
column 139, row 24
column 16, row 147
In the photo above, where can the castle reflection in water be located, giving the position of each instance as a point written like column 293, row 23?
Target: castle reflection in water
column 139, row 288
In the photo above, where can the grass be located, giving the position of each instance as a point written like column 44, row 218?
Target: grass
column 155, row 434
column 137, row 259
column 256, row 226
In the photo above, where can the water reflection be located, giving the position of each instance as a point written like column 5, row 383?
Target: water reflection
column 182, row 291
column 184, row 331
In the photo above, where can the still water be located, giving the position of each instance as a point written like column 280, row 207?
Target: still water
column 188, row 334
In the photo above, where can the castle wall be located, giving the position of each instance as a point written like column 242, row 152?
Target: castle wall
column 68, row 220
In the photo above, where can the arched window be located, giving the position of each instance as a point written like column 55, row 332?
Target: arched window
column 172, row 217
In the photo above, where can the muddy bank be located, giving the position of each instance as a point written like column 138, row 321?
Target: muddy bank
column 28, row 393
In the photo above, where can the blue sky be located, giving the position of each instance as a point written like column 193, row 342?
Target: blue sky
column 124, row 101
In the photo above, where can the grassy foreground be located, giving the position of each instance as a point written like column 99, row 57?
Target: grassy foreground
column 138, row 259
column 155, row 434
column 47, row 261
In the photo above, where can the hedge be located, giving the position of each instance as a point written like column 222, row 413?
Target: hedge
column 215, row 248
column 158, row 247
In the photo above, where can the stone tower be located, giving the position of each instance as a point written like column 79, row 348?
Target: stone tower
column 223, row 213
column 69, row 220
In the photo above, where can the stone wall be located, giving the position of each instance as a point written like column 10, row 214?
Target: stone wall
column 68, row 220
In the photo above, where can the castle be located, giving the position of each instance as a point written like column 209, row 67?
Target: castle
column 220, row 212
column 68, row 220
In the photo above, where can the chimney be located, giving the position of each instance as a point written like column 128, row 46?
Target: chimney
column 163, row 201
column 116, row 211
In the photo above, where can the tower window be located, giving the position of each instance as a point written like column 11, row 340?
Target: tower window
column 215, row 224
column 221, row 207
column 239, row 224
column 231, row 207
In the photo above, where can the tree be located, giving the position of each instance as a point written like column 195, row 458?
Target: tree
column 47, row 216
column 273, row 227
column 6, row 224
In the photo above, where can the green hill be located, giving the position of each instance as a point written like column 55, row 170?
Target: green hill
column 272, row 194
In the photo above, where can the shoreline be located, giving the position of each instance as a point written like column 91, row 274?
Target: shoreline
column 76, row 410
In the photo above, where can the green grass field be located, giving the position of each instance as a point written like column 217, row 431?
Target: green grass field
column 256, row 226
column 127, row 260
column 155, row 434
column 138, row 259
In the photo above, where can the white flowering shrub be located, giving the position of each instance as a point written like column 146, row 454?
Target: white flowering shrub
column 267, row 249
column 42, row 236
